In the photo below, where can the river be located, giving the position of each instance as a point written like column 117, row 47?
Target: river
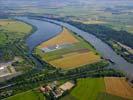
column 45, row 31
column 48, row 28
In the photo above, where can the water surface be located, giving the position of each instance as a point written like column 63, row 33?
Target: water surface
column 45, row 31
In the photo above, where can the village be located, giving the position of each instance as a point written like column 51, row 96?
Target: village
column 55, row 89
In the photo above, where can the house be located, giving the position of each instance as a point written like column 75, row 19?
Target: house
column 4, row 70
column 45, row 89
column 61, row 89
column 53, row 84
column 55, row 90
column 58, row 92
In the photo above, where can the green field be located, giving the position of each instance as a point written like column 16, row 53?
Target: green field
column 106, row 96
column 89, row 87
column 29, row 95
column 2, row 38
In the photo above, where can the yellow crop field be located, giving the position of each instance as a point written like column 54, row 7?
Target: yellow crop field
column 64, row 37
column 75, row 60
column 119, row 87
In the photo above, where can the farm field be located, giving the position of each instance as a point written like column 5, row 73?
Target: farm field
column 119, row 87
column 15, row 26
column 63, row 51
column 29, row 95
column 12, row 29
column 96, row 89
column 89, row 87
column 83, row 59
column 63, row 37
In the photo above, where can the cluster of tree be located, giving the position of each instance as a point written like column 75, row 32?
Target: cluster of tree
column 106, row 33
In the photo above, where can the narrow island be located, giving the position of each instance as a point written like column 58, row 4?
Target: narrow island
column 67, row 51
